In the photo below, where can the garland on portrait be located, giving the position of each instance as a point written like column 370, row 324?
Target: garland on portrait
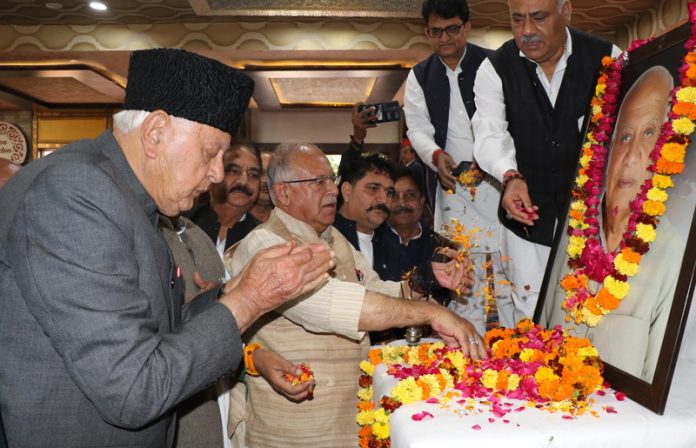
column 588, row 260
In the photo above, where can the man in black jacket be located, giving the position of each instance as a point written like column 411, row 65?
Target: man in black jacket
column 531, row 98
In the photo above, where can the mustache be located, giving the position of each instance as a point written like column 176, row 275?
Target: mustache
column 533, row 39
column 399, row 210
column 381, row 207
column 241, row 188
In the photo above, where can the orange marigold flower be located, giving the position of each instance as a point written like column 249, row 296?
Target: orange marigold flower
column 630, row 255
column 654, row 208
column 606, row 300
column 606, row 60
column 365, row 405
column 666, row 167
column 591, row 304
column 685, row 109
column 572, row 281
column 375, row 356
column 674, row 152
column 691, row 72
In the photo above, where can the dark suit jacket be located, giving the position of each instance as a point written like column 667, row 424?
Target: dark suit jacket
column 205, row 218
column 95, row 350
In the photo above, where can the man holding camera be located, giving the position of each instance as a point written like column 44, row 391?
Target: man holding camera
column 439, row 104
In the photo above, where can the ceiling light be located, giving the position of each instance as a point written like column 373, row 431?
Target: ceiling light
column 54, row 5
column 99, row 6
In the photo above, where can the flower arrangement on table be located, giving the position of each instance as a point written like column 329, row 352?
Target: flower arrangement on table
column 588, row 260
column 548, row 369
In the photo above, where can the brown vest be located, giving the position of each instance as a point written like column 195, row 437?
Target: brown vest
column 329, row 419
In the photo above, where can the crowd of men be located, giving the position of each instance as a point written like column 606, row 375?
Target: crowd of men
column 123, row 302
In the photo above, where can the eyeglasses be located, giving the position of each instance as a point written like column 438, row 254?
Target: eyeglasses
column 451, row 31
column 321, row 182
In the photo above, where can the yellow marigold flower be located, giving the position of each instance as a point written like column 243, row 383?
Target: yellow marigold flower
column 687, row 94
column 576, row 244
column 365, row 393
column 656, row 194
column 683, row 126
column 646, row 232
column 381, row 430
column 673, row 152
column 654, row 208
column 588, row 352
column 489, row 378
column 589, row 318
column 599, row 90
column 579, row 206
column 661, row 181
column 545, row 374
column 513, row 382
column 367, row 367
column 526, row 354
column 450, row 191
column 407, row 391
column 581, row 179
column 457, row 359
column 433, row 384
column 616, row 288
column 381, row 416
column 449, row 380
column 625, row 267
column 393, row 354
column 596, row 109
column 585, row 160
column 365, row 417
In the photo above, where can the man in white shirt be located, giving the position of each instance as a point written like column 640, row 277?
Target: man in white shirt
column 438, row 105
column 531, row 97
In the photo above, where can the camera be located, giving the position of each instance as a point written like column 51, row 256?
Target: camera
column 384, row 112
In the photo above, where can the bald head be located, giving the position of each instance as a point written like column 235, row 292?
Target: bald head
column 639, row 124
column 7, row 170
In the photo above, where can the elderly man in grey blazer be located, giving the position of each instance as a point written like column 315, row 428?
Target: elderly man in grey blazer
column 95, row 347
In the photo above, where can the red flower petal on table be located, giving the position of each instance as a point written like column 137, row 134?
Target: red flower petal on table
column 432, row 400
column 506, row 421
column 421, row 415
column 568, row 417
column 491, row 420
column 610, row 410
column 520, row 409
column 476, row 427
column 620, row 396
column 601, row 393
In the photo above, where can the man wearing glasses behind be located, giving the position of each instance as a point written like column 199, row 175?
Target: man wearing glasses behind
column 439, row 105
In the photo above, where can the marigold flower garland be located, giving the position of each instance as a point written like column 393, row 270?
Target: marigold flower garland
column 587, row 258
column 547, row 368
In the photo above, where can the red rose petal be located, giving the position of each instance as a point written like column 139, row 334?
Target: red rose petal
column 432, row 400
column 610, row 410
column 491, row 420
column 620, row 396
column 476, row 427
column 421, row 415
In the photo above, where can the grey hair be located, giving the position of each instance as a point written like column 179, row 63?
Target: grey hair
column 127, row 121
column 280, row 167
column 560, row 3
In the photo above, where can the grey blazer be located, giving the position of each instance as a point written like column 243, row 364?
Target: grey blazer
column 94, row 350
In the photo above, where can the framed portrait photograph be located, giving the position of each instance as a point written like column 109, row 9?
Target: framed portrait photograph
column 622, row 268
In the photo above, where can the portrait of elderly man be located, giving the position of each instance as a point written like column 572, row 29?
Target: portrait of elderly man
column 96, row 346
column 327, row 326
column 642, row 315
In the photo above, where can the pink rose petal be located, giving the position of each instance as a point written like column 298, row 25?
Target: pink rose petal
column 520, row 409
column 491, row 420
column 421, row 415
column 610, row 410
column 506, row 421
column 432, row 400
column 620, row 396
column 476, row 427
column 568, row 417
column 601, row 393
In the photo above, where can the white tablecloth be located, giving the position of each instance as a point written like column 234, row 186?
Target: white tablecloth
column 631, row 426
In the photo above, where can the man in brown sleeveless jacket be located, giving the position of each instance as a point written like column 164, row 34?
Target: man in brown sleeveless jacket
column 327, row 326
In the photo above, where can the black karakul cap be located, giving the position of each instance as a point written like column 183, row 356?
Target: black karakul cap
column 188, row 85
